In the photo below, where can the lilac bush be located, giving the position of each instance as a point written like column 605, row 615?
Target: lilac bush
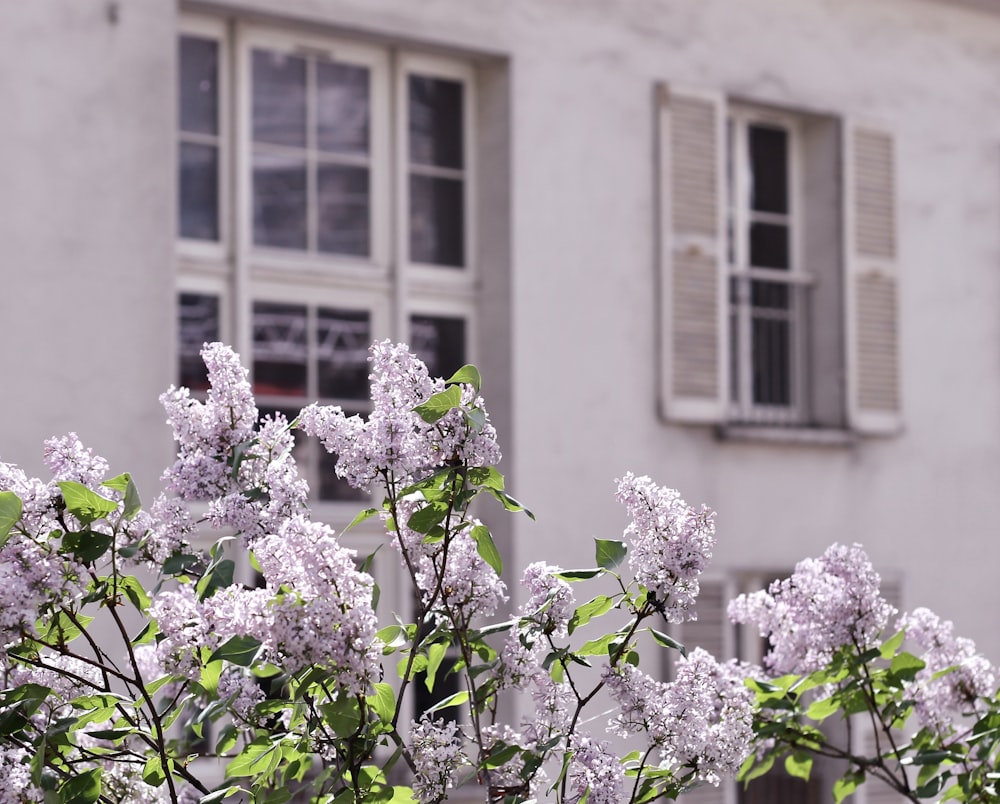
column 300, row 688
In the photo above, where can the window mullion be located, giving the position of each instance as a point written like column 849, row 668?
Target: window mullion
column 312, row 166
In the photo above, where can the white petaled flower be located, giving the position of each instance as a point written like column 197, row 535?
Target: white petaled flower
column 436, row 751
column 955, row 679
column 551, row 601
column 671, row 544
column 67, row 459
column 594, row 769
column 828, row 603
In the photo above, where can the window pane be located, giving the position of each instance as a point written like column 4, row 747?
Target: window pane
column 280, row 349
column 342, row 341
column 279, row 98
column 771, row 361
column 771, row 295
column 437, row 222
column 279, row 202
column 331, row 487
column 435, row 111
column 198, row 324
column 198, row 192
column 342, row 110
column 769, row 169
column 769, row 245
column 343, row 210
column 199, row 85
column 439, row 342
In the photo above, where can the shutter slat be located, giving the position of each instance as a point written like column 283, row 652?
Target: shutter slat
column 692, row 303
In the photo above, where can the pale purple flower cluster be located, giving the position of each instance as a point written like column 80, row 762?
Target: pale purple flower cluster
column 671, row 544
column 395, row 440
column 15, row 771
column 67, row 459
column 551, row 602
column 437, row 754
column 701, row 720
column 185, row 631
column 828, row 603
column 955, row 679
column 243, row 689
column 594, row 768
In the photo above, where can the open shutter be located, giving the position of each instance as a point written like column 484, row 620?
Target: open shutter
column 872, row 281
column 693, row 374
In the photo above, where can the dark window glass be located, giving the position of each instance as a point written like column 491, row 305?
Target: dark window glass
column 772, row 295
column 199, row 85
column 769, row 247
column 342, row 341
column 342, row 108
column 279, row 98
column 198, row 196
column 769, row 169
column 280, row 349
column 279, row 202
column 440, row 342
column 772, row 382
column 435, row 115
column 437, row 224
column 343, row 197
column 198, row 324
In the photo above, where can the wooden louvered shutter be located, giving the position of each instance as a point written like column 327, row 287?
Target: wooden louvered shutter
column 872, row 281
column 691, row 174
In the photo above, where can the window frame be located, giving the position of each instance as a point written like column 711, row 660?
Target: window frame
column 741, row 407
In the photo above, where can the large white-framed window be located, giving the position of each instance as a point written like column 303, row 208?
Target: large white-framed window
column 768, row 284
column 326, row 199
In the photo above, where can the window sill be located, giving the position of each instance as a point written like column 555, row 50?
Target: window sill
column 805, row 436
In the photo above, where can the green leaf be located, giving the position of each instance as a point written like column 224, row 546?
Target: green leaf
column 799, row 765
column 180, row 563
column 84, row 788
column 87, row 545
column 891, row 645
column 596, row 647
column 667, row 641
column 435, row 653
column 592, row 608
column 342, row 715
column 509, row 503
column 846, row 785
column 579, row 575
column 253, row 759
column 486, row 476
column 457, row 699
column 822, row 709
column 219, row 795
column 383, row 702
column 439, row 405
column 218, row 576
column 362, row 516
column 135, row 592
column 610, row 553
column 240, row 650
column 905, row 666
column 226, row 741
column 752, row 769
column 423, row 520
column 10, row 512
column 486, row 548
column 124, row 484
column 84, row 504
column 152, row 772
column 468, row 374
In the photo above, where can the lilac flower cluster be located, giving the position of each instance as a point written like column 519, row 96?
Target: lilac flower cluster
column 955, row 679
column 551, row 602
column 671, row 544
column 15, row 770
column 595, row 769
column 828, row 603
column 436, row 752
column 395, row 440
column 701, row 720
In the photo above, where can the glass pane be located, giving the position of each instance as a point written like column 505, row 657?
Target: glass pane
column 331, row 487
column 439, row 342
column 343, row 210
column 435, row 112
column 198, row 324
column 342, row 108
column 771, row 362
column 198, row 191
column 769, row 246
column 437, row 225
column 279, row 98
column 280, row 349
column 279, row 202
column 342, row 341
column 769, row 169
column 198, row 89
column 770, row 295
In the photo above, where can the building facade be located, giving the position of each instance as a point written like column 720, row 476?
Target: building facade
column 751, row 249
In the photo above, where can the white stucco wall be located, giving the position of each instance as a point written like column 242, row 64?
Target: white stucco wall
column 87, row 200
